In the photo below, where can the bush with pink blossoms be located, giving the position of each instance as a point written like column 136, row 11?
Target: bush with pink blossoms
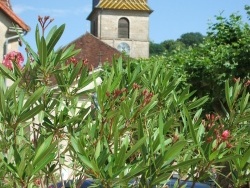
column 141, row 122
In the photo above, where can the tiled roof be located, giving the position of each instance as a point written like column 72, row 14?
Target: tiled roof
column 124, row 5
column 13, row 16
column 94, row 50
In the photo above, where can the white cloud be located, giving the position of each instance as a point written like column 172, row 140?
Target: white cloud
column 53, row 12
column 19, row 9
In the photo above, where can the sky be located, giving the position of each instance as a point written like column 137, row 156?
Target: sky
column 169, row 20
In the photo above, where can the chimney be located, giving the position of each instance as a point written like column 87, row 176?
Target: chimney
column 7, row 3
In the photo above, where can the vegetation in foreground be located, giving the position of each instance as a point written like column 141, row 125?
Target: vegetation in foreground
column 144, row 120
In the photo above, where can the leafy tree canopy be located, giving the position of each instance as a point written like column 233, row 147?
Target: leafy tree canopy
column 191, row 39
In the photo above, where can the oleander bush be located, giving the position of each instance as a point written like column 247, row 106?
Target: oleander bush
column 141, row 124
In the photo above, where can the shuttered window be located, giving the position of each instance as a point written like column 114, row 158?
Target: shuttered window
column 123, row 28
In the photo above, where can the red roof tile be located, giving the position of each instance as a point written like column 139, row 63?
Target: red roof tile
column 13, row 16
column 94, row 50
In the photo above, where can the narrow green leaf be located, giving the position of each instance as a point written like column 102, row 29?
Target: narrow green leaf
column 61, row 82
column 9, row 166
column 97, row 150
column 86, row 162
column 160, row 179
column 245, row 158
column 174, row 150
column 58, row 56
column 48, row 157
column 21, row 99
column 198, row 103
column 190, row 125
column 84, row 78
column 17, row 70
column 171, row 168
column 33, row 98
column 50, row 34
column 7, row 73
column 16, row 156
column 213, row 155
column 135, row 148
column 42, row 51
column 42, row 150
column 12, row 89
column 119, row 161
column 2, row 103
column 150, row 105
column 228, row 94
column 69, row 52
column 37, row 33
column 125, row 110
column 21, row 168
column 227, row 158
column 244, row 102
column 75, row 72
column 161, row 134
column 55, row 38
column 134, row 172
column 30, row 50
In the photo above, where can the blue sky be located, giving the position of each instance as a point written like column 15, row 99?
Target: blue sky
column 170, row 18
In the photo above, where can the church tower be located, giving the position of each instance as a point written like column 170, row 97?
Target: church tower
column 122, row 24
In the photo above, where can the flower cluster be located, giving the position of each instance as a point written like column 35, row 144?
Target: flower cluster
column 117, row 93
column 220, row 134
column 13, row 57
column 147, row 96
column 74, row 61
column 246, row 82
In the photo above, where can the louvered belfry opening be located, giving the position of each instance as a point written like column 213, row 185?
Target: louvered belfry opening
column 123, row 28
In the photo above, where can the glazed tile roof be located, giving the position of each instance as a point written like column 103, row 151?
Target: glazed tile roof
column 124, row 5
column 6, row 9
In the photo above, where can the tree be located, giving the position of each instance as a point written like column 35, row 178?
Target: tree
column 155, row 49
column 172, row 45
column 191, row 39
column 224, row 54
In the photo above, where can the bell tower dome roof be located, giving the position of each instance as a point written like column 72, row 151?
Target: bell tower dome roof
column 140, row 5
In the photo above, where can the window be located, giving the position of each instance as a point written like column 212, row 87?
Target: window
column 123, row 28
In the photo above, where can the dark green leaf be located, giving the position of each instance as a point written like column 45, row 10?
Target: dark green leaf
column 42, row 51
column 55, row 38
column 33, row 98
column 26, row 115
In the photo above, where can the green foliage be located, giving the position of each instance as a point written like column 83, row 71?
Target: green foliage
column 155, row 49
column 223, row 55
column 191, row 39
column 37, row 108
column 169, row 47
column 141, row 124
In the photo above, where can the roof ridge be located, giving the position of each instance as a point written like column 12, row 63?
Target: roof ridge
column 88, row 33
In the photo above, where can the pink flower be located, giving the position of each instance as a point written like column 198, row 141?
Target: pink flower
column 225, row 135
column 13, row 57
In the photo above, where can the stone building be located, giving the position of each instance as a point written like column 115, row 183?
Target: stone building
column 8, row 22
column 123, row 24
column 116, row 26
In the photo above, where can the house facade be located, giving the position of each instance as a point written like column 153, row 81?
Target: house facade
column 9, row 22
